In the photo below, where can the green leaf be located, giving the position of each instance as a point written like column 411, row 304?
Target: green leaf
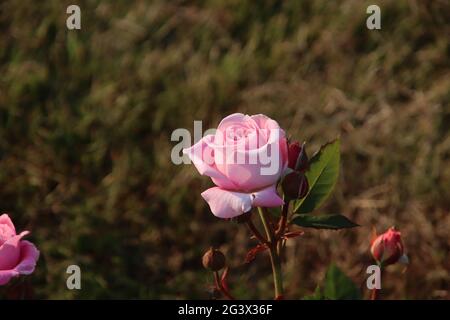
column 326, row 221
column 322, row 176
column 338, row 286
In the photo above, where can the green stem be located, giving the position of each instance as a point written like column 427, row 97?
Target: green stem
column 274, row 257
column 265, row 222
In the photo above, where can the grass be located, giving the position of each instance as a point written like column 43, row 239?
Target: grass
column 86, row 118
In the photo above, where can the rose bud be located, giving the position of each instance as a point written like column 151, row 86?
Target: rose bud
column 295, row 185
column 213, row 260
column 387, row 248
column 293, row 152
column 297, row 157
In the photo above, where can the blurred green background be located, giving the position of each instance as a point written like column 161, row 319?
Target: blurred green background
column 86, row 118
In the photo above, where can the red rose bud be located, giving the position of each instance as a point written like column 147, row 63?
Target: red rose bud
column 293, row 153
column 297, row 157
column 213, row 260
column 295, row 185
column 387, row 248
column 302, row 161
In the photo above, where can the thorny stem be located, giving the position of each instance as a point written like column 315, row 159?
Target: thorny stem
column 283, row 220
column 274, row 257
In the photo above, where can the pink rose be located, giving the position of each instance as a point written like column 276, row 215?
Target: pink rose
column 245, row 159
column 17, row 256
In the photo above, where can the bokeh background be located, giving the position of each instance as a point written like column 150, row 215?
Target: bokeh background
column 86, row 118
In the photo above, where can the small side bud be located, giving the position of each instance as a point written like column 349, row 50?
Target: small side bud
column 293, row 152
column 297, row 157
column 302, row 160
column 213, row 260
column 295, row 185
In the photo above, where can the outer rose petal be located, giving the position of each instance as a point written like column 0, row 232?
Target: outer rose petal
column 202, row 156
column 5, row 219
column 10, row 252
column 229, row 204
column 6, row 275
column 28, row 258
column 267, row 197
column 377, row 248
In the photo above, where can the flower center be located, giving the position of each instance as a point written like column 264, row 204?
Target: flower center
column 236, row 133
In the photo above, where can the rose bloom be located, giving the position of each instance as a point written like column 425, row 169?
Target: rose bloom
column 388, row 248
column 245, row 158
column 17, row 256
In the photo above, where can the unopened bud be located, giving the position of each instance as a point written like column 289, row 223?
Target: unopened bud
column 295, row 185
column 293, row 152
column 387, row 248
column 302, row 160
column 213, row 260
column 297, row 157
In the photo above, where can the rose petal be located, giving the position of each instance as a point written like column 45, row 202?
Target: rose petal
column 230, row 204
column 377, row 248
column 29, row 255
column 264, row 122
column 236, row 123
column 6, row 275
column 267, row 197
column 269, row 163
column 5, row 219
column 10, row 252
column 239, row 119
column 202, row 156
column 246, row 162
column 227, row 204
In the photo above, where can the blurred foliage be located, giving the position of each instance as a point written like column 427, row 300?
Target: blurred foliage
column 86, row 118
column 335, row 286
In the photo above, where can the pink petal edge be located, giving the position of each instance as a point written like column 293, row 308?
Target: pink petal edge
column 29, row 257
